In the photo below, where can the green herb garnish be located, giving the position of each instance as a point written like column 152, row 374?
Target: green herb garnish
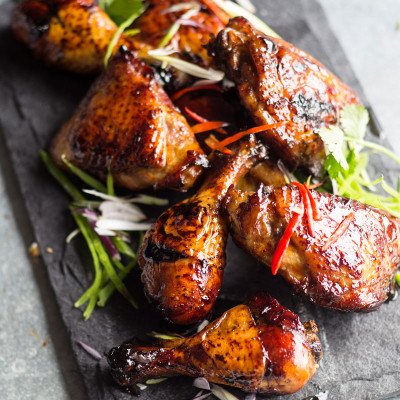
column 107, row 246
column 347, row 161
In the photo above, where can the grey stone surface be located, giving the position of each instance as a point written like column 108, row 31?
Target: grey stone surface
column 29, row 314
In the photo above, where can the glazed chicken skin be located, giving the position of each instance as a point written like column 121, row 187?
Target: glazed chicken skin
column 259, row 347
column 190, row 40
column 127, row 123
column 183, row 254
column 350, row 262
column 278, row 82
column 72, row 35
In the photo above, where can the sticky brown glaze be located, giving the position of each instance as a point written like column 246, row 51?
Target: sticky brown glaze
column 127, row 122
column 259, row 347
column 356, row 273
column 183, row 255
column 278, row 82
column 68, row 34
column 189, row 42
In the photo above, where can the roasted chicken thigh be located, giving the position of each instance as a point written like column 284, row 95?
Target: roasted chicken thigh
column 183, row 253
column 128, row 124
column 349, row 261
column 278, row 82
column 259, row 346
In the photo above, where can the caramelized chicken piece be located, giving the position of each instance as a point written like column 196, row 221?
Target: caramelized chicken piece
column 183, row 254
column 349, row 263
column 68, row 34
column 190, row 39
column 128, row 123
column 74, row 34
column 259, row 346
column 278, row 82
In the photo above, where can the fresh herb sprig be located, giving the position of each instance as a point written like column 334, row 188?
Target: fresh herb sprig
column 348, row 155
column 347, row 162
column 103, row 224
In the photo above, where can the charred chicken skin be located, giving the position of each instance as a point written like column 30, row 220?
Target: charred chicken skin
column 348, row 263
column 127, row 123
column 259, row 346
column 183, row 254
column 278, row 82
column 68, row 34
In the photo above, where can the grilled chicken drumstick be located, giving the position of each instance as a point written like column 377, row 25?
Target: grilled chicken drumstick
column 127, row 123
column 183, row 253
column 346, row 259
column 278, row 82
column 259, row 346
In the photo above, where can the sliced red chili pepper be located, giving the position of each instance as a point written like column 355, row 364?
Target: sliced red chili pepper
column 315, row 210
column 339, row 231
column 180, row 93
column 201, row 119
column 220, row 14
column 307, row 207
column 256, row 129
column 208, row 126
column 284, row 242
column 212, row 142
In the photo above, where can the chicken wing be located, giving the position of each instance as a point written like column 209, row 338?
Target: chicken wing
column 278, row 82
column 127, row 123
column 68, row 34
column 347, row 264
column 259, row 346
column 183, row 254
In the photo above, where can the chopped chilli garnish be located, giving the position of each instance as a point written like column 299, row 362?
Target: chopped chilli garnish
column 315, row 210
column 315, row 185
column 339, row 231
column 284, row 242
column 256, row 129
column 307, row 206
column 219, row 13
column 208, row 126
column 180, row 93
column 199, row 118
column 212, row 142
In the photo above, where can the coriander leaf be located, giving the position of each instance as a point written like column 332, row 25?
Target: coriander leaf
column 354, row 120
column 332, row 166
column 333, row 140
column 120, row 10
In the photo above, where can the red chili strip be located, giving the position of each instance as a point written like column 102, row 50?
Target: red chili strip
column 339, row 231
column 256, row 129
column 315, row 210
column 284, row 242
column 307, row 207
column 207, row 126
column 219, row 13
column 315, row 185
column 201, row 119
column 212, row 142
column 180, row 93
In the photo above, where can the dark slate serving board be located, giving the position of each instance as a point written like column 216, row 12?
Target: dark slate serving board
column 361, row 351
